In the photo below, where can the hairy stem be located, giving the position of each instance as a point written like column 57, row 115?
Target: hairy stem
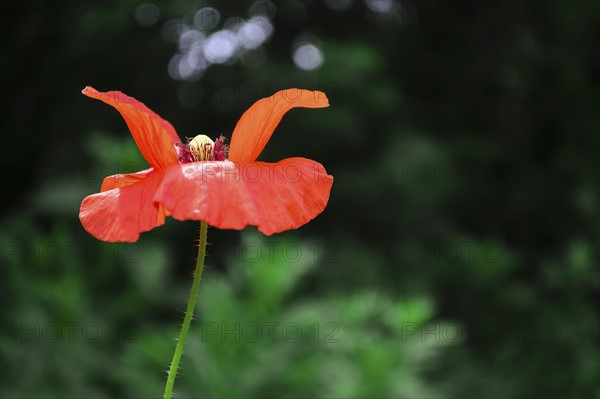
column 189, row 312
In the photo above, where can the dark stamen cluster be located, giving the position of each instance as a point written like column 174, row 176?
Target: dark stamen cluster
column 220, row 149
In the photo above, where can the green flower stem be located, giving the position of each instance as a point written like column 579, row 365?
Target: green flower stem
column 189, row 312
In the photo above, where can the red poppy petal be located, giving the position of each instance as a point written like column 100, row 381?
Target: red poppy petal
column 273, row 196
column 255, row 127
column 121, row 214
column 153, row 135
column 123, row 180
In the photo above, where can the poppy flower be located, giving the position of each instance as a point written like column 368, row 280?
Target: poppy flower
column 205, row 180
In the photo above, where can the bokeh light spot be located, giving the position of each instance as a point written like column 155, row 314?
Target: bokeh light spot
column 252, row 34
column 220, row 47
column 381, row 6
column 207, row 18
column 147, row 14
column 308, row 57
column 262, row 8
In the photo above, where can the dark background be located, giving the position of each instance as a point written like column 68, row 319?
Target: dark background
column 458, row 254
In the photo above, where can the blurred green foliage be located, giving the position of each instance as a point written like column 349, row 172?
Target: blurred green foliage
column 458, row 256
column 255, row 336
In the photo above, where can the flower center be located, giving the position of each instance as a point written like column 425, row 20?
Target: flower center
column 202, row 148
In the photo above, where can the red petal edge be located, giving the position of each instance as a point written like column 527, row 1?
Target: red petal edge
column 121, row 214
column 124, row 180
column 257, row 124
column 273, row 196
column 153, row 135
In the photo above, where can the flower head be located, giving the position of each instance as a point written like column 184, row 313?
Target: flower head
column 205, row 179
